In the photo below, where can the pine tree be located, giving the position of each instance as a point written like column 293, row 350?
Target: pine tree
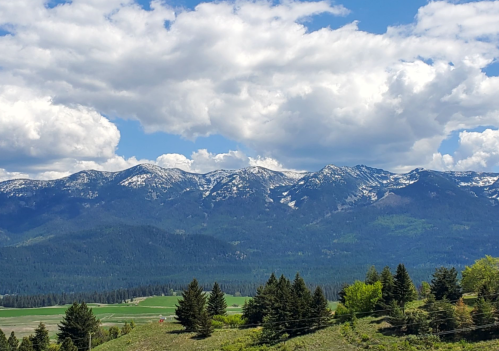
column 388, row 285
column 216, row 302
column 443, row 316
column 256, row 308
column 342, row 293
column 404, row 290
column 319, row 309
column 190, row 306
column 41, row 340
column 78, row 322
column 204, row 325
column 273, row 329
column 482, row 313
column 300, row 306
column 372, row 276
column 26, row 345
column 445, row 284
column 67, row 345
column 13, row 342
column 3, row 341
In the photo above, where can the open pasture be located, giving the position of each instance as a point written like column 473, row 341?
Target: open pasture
column 23, row 321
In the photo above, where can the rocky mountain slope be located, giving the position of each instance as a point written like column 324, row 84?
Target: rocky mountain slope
column 341, row 217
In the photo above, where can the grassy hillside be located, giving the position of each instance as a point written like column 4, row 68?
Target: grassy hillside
column 368, row 334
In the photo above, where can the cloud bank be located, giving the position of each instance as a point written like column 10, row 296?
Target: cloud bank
column 252, row 72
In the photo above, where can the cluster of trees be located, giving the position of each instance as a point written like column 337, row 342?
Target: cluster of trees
column 444, row 311
column 78, row 328
column 282, row 308
column 379, row 292
column 286, row 309
column 193, row 311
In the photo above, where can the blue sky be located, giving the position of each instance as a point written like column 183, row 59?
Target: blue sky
column 286, row 85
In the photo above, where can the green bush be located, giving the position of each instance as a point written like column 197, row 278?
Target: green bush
column 231, row 321
column 343, row 314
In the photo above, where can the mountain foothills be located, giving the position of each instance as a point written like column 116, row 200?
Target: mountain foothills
column 148, row 224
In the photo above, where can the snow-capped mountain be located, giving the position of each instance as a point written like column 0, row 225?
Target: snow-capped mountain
column 347, row 186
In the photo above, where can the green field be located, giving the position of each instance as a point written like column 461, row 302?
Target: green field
column 143, row 310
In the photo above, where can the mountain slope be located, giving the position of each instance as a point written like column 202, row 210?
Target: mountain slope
column 339, row 218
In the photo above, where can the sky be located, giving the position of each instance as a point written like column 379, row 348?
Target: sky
column 290, row 85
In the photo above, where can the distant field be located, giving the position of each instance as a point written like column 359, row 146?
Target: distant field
column 24, row 320
column 144, row 310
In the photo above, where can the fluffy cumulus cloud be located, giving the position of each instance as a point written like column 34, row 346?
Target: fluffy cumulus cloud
column 252, row 72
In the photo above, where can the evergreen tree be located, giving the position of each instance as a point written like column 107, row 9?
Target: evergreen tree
column 216, row 302
column 443, row 316
column 256, row 308
column 41, row 340
column 114, row 332
column 3, row 341
column 319, row 310
column 404, row 290
column 190, row 307
column 78, row 322
column 417, row 322
column 342, row 293
column 445, row 284
column 300, row 306
column 204, row 326
column 397, row 315
column 463, row 316
column 482, row 313
column 425, row 290
column 273, row 330
column 26, row 345
column 13, row 342
column 67, row 345
column 372, row 276
column 388, row 286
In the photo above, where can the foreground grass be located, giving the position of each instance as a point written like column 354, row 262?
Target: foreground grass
column 368, row 334
column 169, row 336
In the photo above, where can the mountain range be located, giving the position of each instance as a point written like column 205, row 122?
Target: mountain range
column 328, row 224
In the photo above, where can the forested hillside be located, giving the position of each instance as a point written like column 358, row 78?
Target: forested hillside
column 242, row 225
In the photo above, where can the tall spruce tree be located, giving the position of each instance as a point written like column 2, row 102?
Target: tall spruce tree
column 216, row 302
column 204, row 325
column 13, row 342
column 256, row 308
column 41, row 340
column 26, row 345
column 445, row 284
column 3, row 341
column 278, row 317
column 388, row 286
column 301, row 299
column 404, row 290
column 342, row 293
column 67, row 345
column 319, row 310
column 190, row 306
column 78, row 322
column 372, row 276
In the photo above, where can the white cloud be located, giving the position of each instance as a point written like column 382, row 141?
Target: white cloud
column 250, row 71
column 32, row 126
column 477, row 151
column 4, row 175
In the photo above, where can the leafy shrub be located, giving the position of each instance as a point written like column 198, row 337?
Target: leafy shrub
column 232, row 321
column 343, row 314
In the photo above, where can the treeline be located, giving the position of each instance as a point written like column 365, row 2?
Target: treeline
column 123, row 295
column 283, row 309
